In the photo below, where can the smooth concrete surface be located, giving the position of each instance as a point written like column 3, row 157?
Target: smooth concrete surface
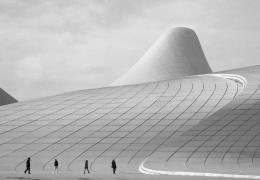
column 19, row 176
column 175, row 54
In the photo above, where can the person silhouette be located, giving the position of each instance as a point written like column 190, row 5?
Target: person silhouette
column 56, row 164
column 86, row 167
column 113, row 165
column 28, row 166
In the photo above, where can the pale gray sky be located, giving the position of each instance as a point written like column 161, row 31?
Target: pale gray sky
column 53, row 46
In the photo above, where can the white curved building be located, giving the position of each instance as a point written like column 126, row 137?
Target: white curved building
column 177, row 53
column 186, row 122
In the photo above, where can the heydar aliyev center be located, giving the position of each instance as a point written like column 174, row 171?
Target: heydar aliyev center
column 169, row 114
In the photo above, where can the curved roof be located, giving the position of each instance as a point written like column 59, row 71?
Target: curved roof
column 126, row 123
column 225, row 143
column 175, row 54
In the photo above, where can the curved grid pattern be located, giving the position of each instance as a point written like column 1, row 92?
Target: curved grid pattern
column 126, row 123
column 226, row 141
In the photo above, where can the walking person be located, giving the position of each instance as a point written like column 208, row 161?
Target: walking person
column 56, row 164
column 28, row 166
column 113, row 165
column 86, row 167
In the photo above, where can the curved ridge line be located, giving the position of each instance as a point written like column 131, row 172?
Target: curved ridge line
column 149, row 171
column 238, row 79
column 234, row 77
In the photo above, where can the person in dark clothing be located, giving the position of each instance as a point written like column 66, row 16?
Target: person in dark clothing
column 56, row 164
column 28, row 166
column 113, row 165
column 86, row 167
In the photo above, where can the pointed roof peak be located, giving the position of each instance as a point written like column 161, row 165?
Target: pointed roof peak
column 175, row 54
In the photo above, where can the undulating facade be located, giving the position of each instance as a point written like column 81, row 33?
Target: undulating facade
column 168, row 114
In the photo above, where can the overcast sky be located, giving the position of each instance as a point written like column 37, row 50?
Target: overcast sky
column 53, row 46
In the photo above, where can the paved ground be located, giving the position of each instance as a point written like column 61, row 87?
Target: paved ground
column 100, row 177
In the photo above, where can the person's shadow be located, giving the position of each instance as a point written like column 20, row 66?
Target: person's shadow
column 25, row 178
column 100, row 178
